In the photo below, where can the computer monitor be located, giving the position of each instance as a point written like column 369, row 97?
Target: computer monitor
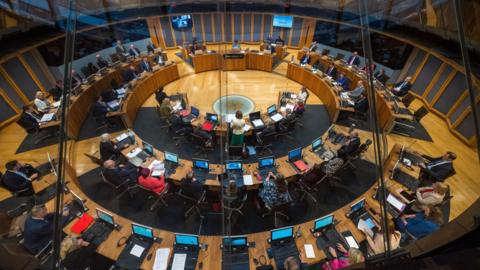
column 200, row 164
column 358, row 205
column 171, row 157
column 254, row 115
column 322, row 222
column 234, row 241
column 283, row 233
column 212, row 117
column 194, row 111
column 295, row 154
column 272, row 109
column 266, row 162
column 317, row 143
column 148, row 148
column 392, row 200
column 107, row 217
column 186, row 239
column 233, row 165
column 78, row 200
column 142, row 231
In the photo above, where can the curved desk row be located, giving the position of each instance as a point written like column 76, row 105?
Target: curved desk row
column 232, row 60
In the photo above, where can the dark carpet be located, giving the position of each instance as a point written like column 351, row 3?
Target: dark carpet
column 148, row 127
column 28, row 143
column 354, row 183
column 419, row 132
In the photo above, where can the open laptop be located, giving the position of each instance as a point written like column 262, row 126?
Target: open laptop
column 295, row 158
column 274, row 115
column 171, row 163
column 282, row 242
column 266, row 165
column 395, row 206
column 256, row 120
column 148, row 149
column 77, row 206
column 137, row 156
column 234, row 169
column 358, row 211
column 185, row 251
column 405, row 179
column 329, row 237
column 235, row 253
column 101, row 228
column 188, row 117
column 201, row 170
column 137, row 247
column 211, row 121
column 319, row 149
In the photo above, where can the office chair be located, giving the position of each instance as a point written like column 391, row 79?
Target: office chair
column 127, row 186
column 201, row 144
column 164, row 119
column 357, row 154
column 298, row 119
column 183, row 135
column 278, row 211
column 231, row 210
column 23, row 259
column 306, row 190
column 420, row 113
column 287, row 129
column 194, row 202
column 264, row 146
column 408, row 99
column 159, row 197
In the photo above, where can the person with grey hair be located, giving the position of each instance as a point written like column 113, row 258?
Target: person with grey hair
column 108, row 149
column 41, row 102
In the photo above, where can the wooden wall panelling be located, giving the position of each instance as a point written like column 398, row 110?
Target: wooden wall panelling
column 173, row 34
column 168, row 36
column 409, row 62
column 262, row 30
column 448, row 93
column 203, row 28
column 9, row 112
column 152, row 31
column 461, row 107
column 419, row 68
column 434, row 80
column 31, row 73
column 252, row 21
column 41, row 62
column 19, row 74
column 424, row 78
column 443, row 76
column 15, row 87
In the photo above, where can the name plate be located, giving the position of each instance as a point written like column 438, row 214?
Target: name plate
column 233, row 56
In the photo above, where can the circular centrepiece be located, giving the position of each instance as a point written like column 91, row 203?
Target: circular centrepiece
column 232, row 103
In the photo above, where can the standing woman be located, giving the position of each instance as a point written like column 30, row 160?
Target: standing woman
column 237, row 126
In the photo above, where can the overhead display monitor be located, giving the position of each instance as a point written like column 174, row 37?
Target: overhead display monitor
column 182, row 22
column 282, row 21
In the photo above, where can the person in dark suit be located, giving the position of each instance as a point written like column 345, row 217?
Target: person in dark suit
column 151, row 47
column 38, row 231
column 100, row 109
column 145, row 65
column 120, row 49
column 160, row 96
column 331, row 71
column 134, row 51
column 191, row 187
column 76, row 78
column 130, row 74
column 352, row 144
column 118, row 175
column 56, row 91
column 29, row 119
column 279, row 40
column 109, row 95
column 354, row 60
column 102, row 63
column 342, row 81
column 381, row 76
column 361, row 104
column 313, row 47
column 92, row 68
column 437, row 169
column 15, row 179
column 108, row 150
column 305, row 59
column 401, row 89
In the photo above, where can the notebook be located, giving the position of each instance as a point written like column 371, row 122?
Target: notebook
column 300, row 164
column 207, row 126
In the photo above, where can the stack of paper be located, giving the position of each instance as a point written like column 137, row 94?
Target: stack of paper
column 137, row 251
column 276, row 117
column 161, row 259
column 157, row 167
column 351, row 242
column 309, row 251
column 179, row 261
column 246, row 128
column 247, row 179
column 134, row 153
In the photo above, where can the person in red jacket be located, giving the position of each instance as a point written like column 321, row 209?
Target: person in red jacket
column 149, row 182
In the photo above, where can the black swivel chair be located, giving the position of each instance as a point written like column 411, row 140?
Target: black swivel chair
column 159, row 197
column 34, row 130
column 277, row 211
column 201, row 144
column 194, row 202
column 286, row 129
column 264, row 145
column 10, row 248
column 126, row 187
column 231, row 210
column 357, row 154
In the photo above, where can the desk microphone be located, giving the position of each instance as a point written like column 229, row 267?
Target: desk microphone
column 299, row 233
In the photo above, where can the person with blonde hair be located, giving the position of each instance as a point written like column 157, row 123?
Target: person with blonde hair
column 237, row 126
column 433, row 195
column 350, row 257
column 376, row 244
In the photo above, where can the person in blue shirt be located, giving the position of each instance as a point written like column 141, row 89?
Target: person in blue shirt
column 343, row 81
column 421, row 224
column 236, row 45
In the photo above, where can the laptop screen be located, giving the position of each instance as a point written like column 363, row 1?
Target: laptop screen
column 233, row 165
column 148, row 148
column 358, row 205
column 236, row 241
column 266, row 162
column 317, row 143
column 282, row 233
column 395, row 202
column 171, row 157
column 105, row 216
column 323, row 222
column 212, row 117
column 271, row 109
column 194, row 111
column 295, row 154
column 201, row 164
column 254, row 115
column 142, row 231
column 77, row 199
column 186, row 239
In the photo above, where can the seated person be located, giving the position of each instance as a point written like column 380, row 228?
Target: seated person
column 376, row 244
column 160, row 96
column 76, row 78
column 350, row 257
column 191, row 187
column 331, row 71
column 166, row 108
column 147, row 181
column 401, row 89
column 102, row 63
column 16, row 178
column 120, row 174
column 38, row 231
column 159, row 59
column 342, row 81
column 313, row 175
column 77, row 253
column 56, row 91
column 299, row 108
column 352, row 144
column 361, row 104
column 29, row 119
column 303, row 94
column 354, row 59
column 293, row 263
column 313, row 47
column 151, row 47
column 381, row 76
column 133, row 51
column 432, row 195
column 130, row 74
column 145, row 65
column 109, row 95
column 367, row 70
column 355, row 93
column 41, row 102
column 100, row 109
column 270, row 128
column 275, row 190
column 421, row 224
column 334, row 164
column 92, row 69
column 437, row 169
column 108, row 150
column 305, row 59
column 232, row 195
column 236, row 45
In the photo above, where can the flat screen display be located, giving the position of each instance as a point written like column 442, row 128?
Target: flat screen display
column 185, row 239
column 282, row 233
column 171, row 157
column 283, row 21
column 295, row 154
column 271, row 109
column 148, row 148
column 212, row 117
column 195, row 111
column 235, row 241
column 317, row 143
column 358, row 205
column 323, row 222
column 182, row 22
column 202, row 164
column 234, row 165
column 142, row 230
column 105, row 216
column 266, row 162
column 395, row 202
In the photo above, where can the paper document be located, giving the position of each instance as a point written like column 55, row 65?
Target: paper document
column 177, row 107
column 157, row 167
column 247, row 179
column 276, row 117
column 137, row 250
column 351, row 242
column 309, row 251
column 121, row 137
column 257, row 122
column 113, row 104
column 57, row 104
column 134, row 153
column 121, row 91
column 229, row 117
column 246, row 128
column 161, row 259
column 293, row 96
column 363, row 226
column 290, row 106
column 47, row 117
column 179, row 261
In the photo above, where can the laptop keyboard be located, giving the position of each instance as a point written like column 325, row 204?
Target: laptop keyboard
column 264, row 171
column 234, row 261
column 405, row 179
column 142, row 155
column 97, row 233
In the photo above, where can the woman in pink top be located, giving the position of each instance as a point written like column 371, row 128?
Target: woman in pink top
column 350, row 257
column 149, row 182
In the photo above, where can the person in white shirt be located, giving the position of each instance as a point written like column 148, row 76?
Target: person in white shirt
column 41, row 102
column 303, row 95
column 237, row 126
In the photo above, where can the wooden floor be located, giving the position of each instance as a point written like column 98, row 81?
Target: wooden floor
column 202, row 89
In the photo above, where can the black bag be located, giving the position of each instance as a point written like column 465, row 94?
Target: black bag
column 29, row 170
